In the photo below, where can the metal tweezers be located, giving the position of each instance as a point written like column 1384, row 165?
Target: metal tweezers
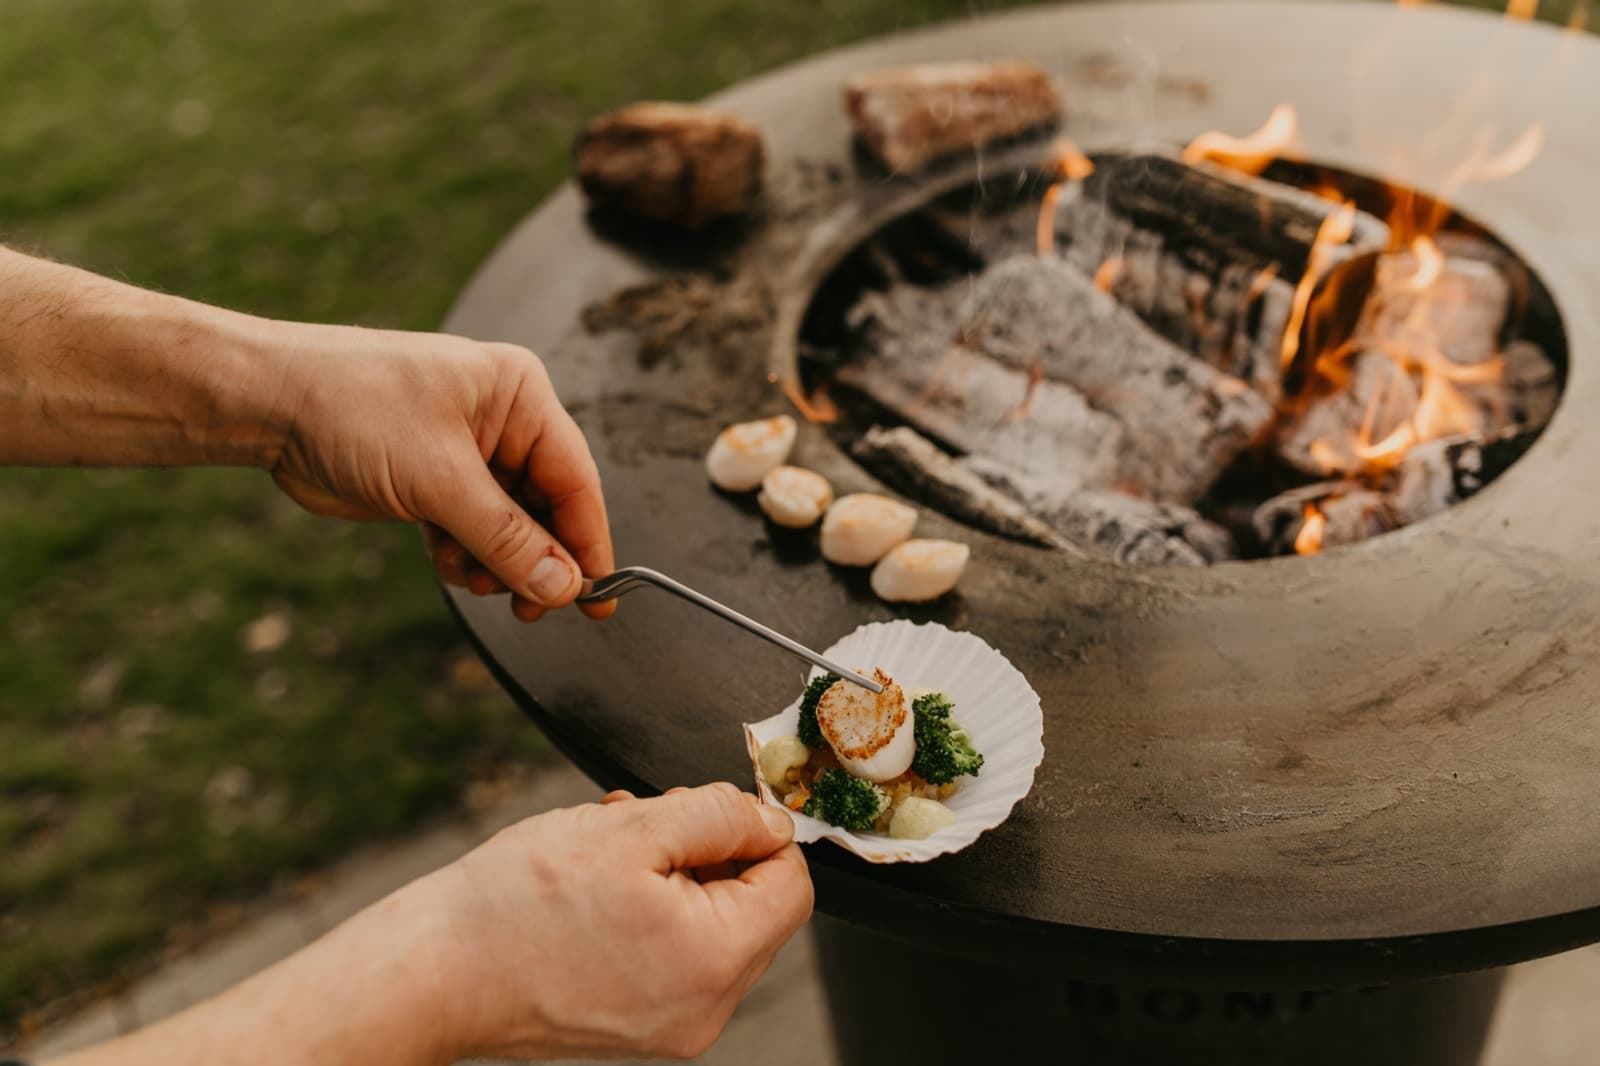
column 596, row 590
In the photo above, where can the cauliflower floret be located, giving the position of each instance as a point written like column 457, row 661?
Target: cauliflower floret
column 779, row 756
column 917, row 818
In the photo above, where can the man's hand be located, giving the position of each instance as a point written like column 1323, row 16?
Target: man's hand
column 627, row 929
column 467, row 438
column 630, row 929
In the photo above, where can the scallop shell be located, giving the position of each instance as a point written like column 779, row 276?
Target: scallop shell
column 993, row 701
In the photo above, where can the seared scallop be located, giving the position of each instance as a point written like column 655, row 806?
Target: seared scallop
column 871, row 732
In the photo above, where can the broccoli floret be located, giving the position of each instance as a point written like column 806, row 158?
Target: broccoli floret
column 810, row 732
column 944, row 751
column 845, row 801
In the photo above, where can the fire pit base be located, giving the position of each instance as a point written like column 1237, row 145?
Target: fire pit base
column 895, row 1002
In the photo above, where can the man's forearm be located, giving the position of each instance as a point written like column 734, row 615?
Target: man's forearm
column 364, row 995
column 96, row 372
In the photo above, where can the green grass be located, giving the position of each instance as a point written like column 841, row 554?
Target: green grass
column 337, row 160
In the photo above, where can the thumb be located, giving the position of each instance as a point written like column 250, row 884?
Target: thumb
column 473, row 507
column 709, row 825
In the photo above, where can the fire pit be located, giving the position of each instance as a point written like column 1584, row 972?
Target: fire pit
column 1283, row 799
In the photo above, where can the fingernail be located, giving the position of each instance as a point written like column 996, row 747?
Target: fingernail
column 551, row 579
column 776, row 820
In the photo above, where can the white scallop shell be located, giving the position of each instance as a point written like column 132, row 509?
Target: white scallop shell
column 993, row 701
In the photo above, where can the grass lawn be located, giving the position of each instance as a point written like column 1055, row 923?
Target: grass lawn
column 202, row 690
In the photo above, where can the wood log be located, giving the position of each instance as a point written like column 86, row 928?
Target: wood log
column 1532, row 386
column 1231, row 315
column 1350, row 512
column 1441, row 473
column 908, row 116
column 680, row 164
column 1112, row 524
column 906, row 362
column 1231, row 216
column 1183, row 421
column 1461, row 314
column 918, row 468
column 1324, row 437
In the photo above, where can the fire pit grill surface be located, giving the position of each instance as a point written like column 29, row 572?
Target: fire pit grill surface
column 1377, row 762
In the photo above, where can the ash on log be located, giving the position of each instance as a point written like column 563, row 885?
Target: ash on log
column 921, row 469
column 908, row 116
column 1184, row 422
column 913, row 367
column 1323, row 437
column 1114, row 525
column 680, row 164
column 1460, row 313
column 1350, row 512
column 1441, row 473
column 1231, row 315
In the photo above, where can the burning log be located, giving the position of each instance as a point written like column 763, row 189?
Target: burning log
column 1531, row 386
column 972, row 402
column 675, row 163
column 1346, row 513
column 1232, row 316
column 1114, row 525
column 1184, row 422
column 1455, row 306
column 917, row 467
column 1230, row 216
column 1442, row 473
column 907, row 116
column 1327, row 435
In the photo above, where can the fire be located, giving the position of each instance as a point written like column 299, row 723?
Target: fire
column 1105, row 278
column 1072, row 165
column 1334, row 231
column 1430, row 264
column 1313, row 527
column 1250, row 154
column 1523, row 10
column 818, row 407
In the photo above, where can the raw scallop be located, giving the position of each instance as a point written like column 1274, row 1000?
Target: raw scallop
column 858, row 530
column 920, row 570
column 793, row 497
column 743, row 453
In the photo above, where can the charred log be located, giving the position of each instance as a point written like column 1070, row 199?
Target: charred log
column 919, row 468
column 1441, row 473
column 1184, row 422
column 908, row 116
column 680, row 164
column 1348, row 512
column 1234, row 217
column 907, row 363
column 1114, row 525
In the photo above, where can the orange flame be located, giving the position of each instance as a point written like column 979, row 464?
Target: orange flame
column 818, row 407
column 1250, row 154
column 1044, row 239
column 1313, row 527
column 1072, row 165
column 1430, row 264
column 1334, row 231
column 1522, row 10
column 1105, row 278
